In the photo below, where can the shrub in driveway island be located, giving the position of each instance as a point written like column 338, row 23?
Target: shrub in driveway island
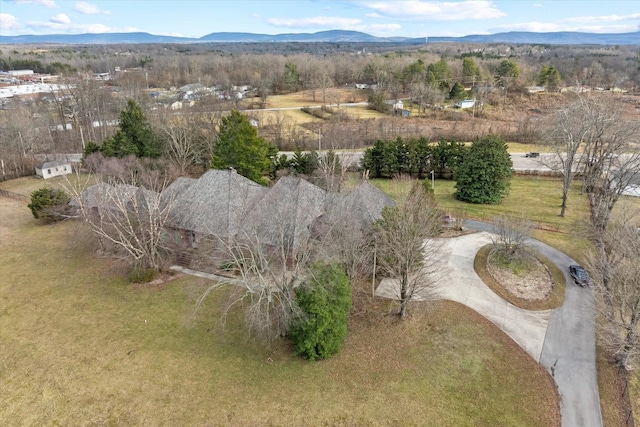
column 325, row 300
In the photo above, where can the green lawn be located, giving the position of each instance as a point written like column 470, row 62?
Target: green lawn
column 81, row 346
column 536, row 198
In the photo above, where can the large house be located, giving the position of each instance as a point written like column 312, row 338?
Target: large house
column 223, row 208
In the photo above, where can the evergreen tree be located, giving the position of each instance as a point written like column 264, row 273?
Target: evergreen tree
column 508, row 69
column 49, row 204
column 457, row 92
column 484, row 175
column 413, row 72
column 549, row 77
column 325, row 300
column 470, row 70
column 239, row 146
column 291, row 76
column 134, row 135
column 439, row 74
column 447, row 156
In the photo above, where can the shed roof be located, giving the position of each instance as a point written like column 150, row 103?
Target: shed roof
column 53, row 164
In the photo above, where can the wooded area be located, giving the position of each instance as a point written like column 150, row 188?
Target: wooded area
column 182, row 87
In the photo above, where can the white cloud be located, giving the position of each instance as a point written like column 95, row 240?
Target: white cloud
column 608, row 18
column 332, row 22
column 88, row 8
column 382, row 28
column 71, row 28
column 8, row 22
column 60, row 19
column 585, row 24
column 435, row 10
column 46, row 3
column 317, row 21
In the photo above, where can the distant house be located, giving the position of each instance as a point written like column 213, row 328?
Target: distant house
column 465, row 103
column 55, row 168
column 535, row 89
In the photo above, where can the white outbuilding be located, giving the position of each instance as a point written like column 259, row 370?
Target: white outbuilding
column 55, row 168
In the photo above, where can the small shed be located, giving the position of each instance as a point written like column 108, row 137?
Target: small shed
column 55, row 168
column 466, row 103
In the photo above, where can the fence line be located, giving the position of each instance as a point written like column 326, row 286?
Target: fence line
column 15, row 196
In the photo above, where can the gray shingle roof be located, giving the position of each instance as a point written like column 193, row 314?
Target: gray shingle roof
column 53, row 164
column 364, row 205
column 216, row 203
column 225, row 204
column 285, row 213
column 103, row 194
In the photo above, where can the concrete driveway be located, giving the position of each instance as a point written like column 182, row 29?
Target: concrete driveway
column 562, row 340
column 527, row 328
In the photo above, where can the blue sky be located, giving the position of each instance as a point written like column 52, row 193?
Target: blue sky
column 418, row 18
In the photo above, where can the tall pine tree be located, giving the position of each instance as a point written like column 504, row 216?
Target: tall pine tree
column 239, row 146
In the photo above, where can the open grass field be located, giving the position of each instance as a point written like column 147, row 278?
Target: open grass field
column 81, row 346
column 302, row 98
column 535, row 198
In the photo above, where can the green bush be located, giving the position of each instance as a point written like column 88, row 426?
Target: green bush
column 49, row 204
column 484, row 176
column 325, row 300
column 139, row 274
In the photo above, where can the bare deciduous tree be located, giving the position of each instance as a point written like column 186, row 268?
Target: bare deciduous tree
column 511, row 235
column 406, row 248
column 612, row 158
column 619, row 295
column 130, row 220
column 271, row 255
column 264, row 288
column 569, row 134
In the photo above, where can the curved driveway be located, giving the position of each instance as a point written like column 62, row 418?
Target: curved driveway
column 562, row 340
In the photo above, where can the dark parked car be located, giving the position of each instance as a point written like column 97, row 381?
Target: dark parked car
column 532, row 154
column 579, row 275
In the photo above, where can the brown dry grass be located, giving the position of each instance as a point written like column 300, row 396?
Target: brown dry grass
column 302, row 98
column 81, row 346
column 611, row 404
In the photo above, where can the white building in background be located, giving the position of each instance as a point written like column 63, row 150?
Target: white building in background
column 55, row 168
column 465, row 103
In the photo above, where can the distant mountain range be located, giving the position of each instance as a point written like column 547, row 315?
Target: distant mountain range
column 333, row 36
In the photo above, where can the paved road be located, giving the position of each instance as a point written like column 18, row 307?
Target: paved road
column 569, row 349
column 520, row 162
